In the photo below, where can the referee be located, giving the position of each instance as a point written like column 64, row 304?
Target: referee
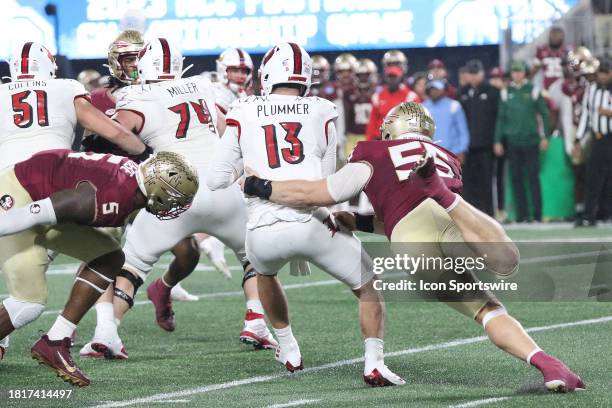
column 596, row 117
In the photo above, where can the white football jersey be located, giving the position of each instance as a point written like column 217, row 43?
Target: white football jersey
column 284, row 137
column 36, row 115
column 178, row 116
column 225, row 96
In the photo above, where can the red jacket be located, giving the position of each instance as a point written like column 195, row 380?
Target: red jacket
column 382, row 102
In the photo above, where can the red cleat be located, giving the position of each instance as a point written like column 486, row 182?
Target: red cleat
column 56, row 355
column 159, row 295
column 557, row 376
column 433, row 186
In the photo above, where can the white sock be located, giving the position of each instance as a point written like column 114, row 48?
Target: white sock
column 105, row 322
column 255, row 306
column 61, row 329
column 285, row 336
column 374, row 353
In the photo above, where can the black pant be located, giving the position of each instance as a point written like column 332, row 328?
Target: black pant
column 525, row 167
column 478, row 179
column 599, row 178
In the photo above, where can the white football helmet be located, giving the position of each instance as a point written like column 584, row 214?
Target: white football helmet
column 286, row 63
column 32, row 61
column 235, row 58
column 159, row 60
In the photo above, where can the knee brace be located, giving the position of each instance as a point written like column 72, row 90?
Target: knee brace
column 248, row 275
column 136, row 281
column 20, row 312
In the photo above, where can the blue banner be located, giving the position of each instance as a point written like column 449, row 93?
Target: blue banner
column 202, row 27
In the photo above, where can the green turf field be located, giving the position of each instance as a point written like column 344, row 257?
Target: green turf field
column 441, row 354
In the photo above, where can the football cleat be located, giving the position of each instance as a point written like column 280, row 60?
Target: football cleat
column 381, row 376
column 290, row 357
column 214, row 251
column 4, row 343
column 256, row 332
column 179, row 293
column 56, row 355
column 2, row 352
column 433, row 186
column 111, row 350
column 159, row 295
column 557, row 376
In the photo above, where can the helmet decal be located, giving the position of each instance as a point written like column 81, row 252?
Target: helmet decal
column 25, row 52
column 166, row 55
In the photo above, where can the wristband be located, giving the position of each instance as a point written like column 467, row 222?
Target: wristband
column 254, row 186
column 364, row 223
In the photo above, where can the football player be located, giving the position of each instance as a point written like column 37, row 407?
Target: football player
column 284, row 134
column 57, row 197
column 174, row 114
column 41, row 112
column 414, row 186
column 235, row 73
column 395, row 67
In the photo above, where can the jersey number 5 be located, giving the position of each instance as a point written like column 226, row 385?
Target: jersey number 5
column 401, row 157
column 201, row 109
column 23, row 116
column 291, row 155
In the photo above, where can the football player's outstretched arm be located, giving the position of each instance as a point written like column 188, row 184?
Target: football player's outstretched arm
column 77, row 206
column 96, row 121
column 228, row 165
column 346, row 183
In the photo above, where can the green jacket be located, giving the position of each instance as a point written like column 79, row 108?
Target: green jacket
column 516, row 116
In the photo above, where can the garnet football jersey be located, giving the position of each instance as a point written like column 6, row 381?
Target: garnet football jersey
column 113, row 178
column 282, row 137
column 358, row 107
column 177, row 116
column 36, row 115
column 391, row 190
column 551, row 61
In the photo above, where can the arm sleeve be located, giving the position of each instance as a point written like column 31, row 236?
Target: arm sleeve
column 328, row 163
column 228, row 165
column 23, row 218
column 349, row 181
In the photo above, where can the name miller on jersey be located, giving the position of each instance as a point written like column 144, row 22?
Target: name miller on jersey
column 289, row 109
column 187, row 88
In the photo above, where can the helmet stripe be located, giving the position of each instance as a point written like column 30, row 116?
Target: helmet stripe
column 25, row 53
column 297, row 59
column 268, row 55
column 166, row 54
column 240, row 55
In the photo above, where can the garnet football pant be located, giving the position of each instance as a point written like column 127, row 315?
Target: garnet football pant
column 23, row 256
column 271, row 247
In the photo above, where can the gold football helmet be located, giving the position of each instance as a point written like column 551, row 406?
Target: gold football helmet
column 395, row 57
column 345, row 62
column 127, row 44
column 320, row 68
column 408, row 119
column 367, row 72
column 169, row 182
column 577, row 56
column 589, row 66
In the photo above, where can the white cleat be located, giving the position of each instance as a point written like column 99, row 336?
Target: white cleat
column 381, row 376
column 258, row 336
column 111, row 350
column 214, row 251
column 290, row 357
column 180, row 294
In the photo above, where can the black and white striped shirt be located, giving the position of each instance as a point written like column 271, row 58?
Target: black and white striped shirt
column 595, row 97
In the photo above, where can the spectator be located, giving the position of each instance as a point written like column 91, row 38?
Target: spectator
column 462, row 77
column 499, row 80
column 517, row 126
column 419, row 84
column 479, row 101
column 597, row 117
column 451, row 126
column 496, row 78
column 393, row 93
column 437, row 70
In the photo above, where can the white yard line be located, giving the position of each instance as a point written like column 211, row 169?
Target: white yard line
column 295, row 403
column 253, row 380
column 477, row 403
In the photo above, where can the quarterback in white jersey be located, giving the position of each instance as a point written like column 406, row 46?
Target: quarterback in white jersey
column 178, row 115
column 41, row 112
column 281, row 136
